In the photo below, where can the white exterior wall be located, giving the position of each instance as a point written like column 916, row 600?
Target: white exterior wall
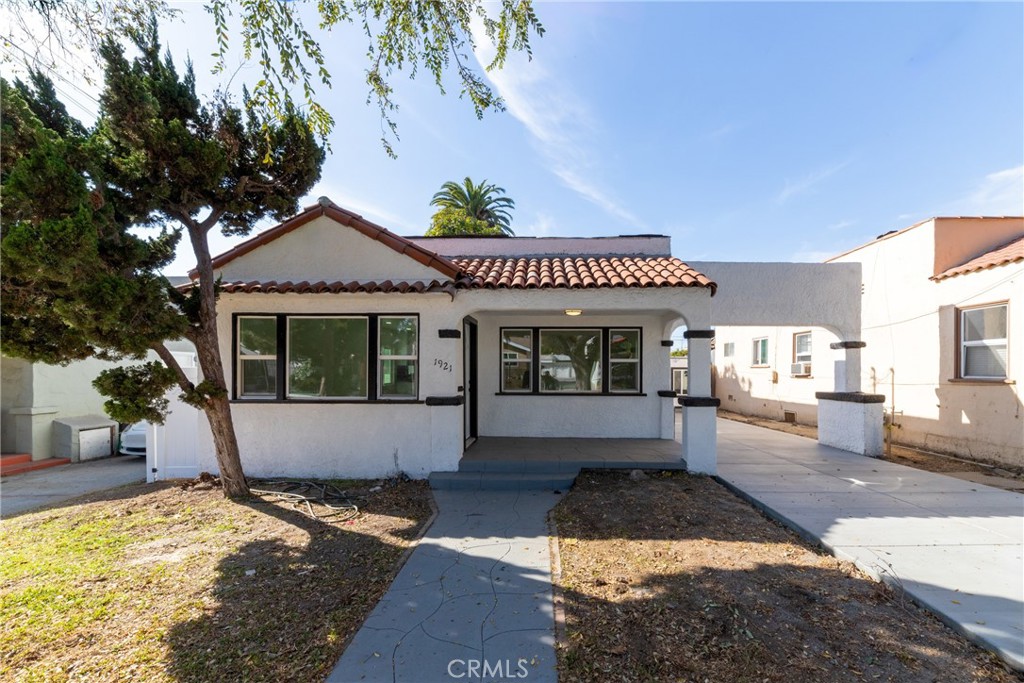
column 375, row 439
column 770, row 391
column 600, row 416
column 910, row 326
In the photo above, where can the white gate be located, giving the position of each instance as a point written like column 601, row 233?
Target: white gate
column 171, row 447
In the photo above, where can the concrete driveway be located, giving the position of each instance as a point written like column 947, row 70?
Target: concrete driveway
column 24, row 492
column 954, row 546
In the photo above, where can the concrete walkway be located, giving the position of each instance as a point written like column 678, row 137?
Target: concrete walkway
column 473, row 602
column 24, row 492
column 955, row 546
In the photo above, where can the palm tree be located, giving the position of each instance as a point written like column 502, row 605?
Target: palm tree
column 481, row 201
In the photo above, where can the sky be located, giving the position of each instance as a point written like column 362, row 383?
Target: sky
column 752, row 131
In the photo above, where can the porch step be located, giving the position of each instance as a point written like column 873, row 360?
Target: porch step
column 22, row 466
column 563, row 467
column 8, row 459
column 502, row 481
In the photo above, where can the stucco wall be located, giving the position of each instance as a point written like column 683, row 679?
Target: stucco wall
column 910, row 327
column 15, row 392
column 771, row 391
column 366, row 439
column 326, row 250
column 572, row 416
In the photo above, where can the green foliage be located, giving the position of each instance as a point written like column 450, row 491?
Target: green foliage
column 136, row 391
column 414, row 36
column 451, row 222
column 679, row 353
column 481, row 202
column 77, row 281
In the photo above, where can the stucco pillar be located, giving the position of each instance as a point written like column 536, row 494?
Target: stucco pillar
column 700, row 440
column 847, row 370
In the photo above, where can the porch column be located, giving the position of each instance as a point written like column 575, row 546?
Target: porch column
column 848, row 418
column 700, row 447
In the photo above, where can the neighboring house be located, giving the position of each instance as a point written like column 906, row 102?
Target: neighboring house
column 680, row 374
column 943, row 302
column 351, row 351
column 33, row 395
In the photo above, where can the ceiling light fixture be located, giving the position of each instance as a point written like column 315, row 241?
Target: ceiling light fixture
column 574, row 311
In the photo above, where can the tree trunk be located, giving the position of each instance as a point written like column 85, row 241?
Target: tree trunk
column 217, row 407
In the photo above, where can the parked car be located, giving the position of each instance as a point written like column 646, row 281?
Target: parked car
column 133, row 439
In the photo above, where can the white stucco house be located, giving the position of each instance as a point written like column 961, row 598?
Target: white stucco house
column 353, row 352
column 942, row 305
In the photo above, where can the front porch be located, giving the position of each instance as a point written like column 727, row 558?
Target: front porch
column 532, row 463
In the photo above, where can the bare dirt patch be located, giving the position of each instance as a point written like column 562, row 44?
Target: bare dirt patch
column 673, row 578
column 162, row 583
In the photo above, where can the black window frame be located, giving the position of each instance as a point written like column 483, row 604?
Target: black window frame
column 373, row 370
column 535, row 388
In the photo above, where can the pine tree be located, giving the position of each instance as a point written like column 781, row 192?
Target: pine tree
column 78, row 283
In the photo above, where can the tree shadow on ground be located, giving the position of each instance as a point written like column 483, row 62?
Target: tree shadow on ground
column 283, row 608
column 674, row 578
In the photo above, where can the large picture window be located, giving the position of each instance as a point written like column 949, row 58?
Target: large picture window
column 983, row 342
column 325, row 357
column 571, row 360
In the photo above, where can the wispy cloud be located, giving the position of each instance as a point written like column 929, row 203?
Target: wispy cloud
column 369, row 210
column 808, row 182
column 839, row 225
column 808, row 255
column 543, row 226
column 561, row 125
column 997, row 194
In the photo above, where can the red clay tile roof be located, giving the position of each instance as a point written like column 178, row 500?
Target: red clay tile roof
column 338, row 287
column 325, row 207
column 1008, row 253
column 569, row 272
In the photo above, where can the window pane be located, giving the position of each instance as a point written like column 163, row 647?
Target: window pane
column 803, row 344
column 570, row 360
column 398, row 378
column 729, row 349
column 515, row 377
column 259, row 377
column 985, row 323
column 624, row 344
column 257, row 336
column 985, row 361
column 398, row 336
column 516, row 344
column 625, row 377
column 327, row 357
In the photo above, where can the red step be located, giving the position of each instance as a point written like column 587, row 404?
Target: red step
column 22, row 467
column 14, row 458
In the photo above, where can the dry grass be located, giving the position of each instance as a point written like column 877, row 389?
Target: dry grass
column 672, row 578
column 160, row 583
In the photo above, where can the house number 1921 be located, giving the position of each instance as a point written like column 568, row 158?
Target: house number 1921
column 443, row 364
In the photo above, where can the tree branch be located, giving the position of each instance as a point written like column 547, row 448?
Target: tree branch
column 171, row 362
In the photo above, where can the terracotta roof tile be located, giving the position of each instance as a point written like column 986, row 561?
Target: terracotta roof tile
column 338, row 287
column 1008, row 253
column 566, row 272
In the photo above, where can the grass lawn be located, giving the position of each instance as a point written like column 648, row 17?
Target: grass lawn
column 673, row 578
column 161, row 583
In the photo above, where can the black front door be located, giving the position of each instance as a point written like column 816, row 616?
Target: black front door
column 469, row 369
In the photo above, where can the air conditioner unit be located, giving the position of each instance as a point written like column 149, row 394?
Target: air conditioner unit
column 800, row 370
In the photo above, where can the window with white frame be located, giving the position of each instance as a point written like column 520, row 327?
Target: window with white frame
column 728, row 349
column 327, row 357
column 517, row 360
column 624, row 360
column 983, row 342
column 396, row 340
column 257, row 357
column 802, row 347
column 760, row 355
